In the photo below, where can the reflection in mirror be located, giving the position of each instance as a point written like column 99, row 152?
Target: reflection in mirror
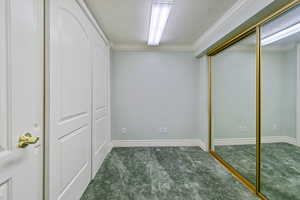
column 234, row 105
column 280, row 151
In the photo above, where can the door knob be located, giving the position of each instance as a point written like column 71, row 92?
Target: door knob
column 27, row 139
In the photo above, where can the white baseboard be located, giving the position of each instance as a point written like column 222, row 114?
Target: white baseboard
column 159, row 143
column 203, row 145
column 268, row 139
column 104, row 151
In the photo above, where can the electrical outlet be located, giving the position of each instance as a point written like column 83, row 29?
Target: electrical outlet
column 163, row 130
column 275, row 127
column 124, row 130
column 243, row 128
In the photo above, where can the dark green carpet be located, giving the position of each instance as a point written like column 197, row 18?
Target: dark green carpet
column 167, row 173
column 280, row 174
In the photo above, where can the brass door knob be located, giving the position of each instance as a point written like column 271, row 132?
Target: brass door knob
column 27, row 139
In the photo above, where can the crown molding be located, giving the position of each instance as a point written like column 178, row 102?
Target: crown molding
column 93, row 20
column 173, row 48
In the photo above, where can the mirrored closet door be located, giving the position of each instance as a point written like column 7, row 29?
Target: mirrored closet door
column 280, row 151
column 254, row 107
column 233, row 106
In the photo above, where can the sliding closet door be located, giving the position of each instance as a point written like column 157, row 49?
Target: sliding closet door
column 234, row 106
column 280, row 152
column 100, row 106
column 69, row 101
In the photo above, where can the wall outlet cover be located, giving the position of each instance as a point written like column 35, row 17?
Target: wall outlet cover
column 124, row 130
column 163, row 130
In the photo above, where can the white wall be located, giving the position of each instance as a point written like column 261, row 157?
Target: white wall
column 151, row 90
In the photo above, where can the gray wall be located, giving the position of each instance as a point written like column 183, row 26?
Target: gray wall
column 153, row 90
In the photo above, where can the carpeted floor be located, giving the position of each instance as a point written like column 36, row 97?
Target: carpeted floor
column 280, row 174
column 164, row 173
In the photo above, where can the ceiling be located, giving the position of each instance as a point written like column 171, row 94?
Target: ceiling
column 126, row 22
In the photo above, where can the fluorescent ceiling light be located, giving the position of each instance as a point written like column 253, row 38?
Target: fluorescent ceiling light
column 159, row 17
column 281, row 34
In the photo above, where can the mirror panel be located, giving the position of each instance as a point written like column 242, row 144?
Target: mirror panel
column 234, row 106
column 280, row 154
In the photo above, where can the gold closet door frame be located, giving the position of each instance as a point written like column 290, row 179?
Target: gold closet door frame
column 253, row 29
column 228, row 166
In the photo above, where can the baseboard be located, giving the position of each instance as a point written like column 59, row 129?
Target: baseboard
column 203, row 145
column 104, row 151
column 243, row 141
column 159, row 143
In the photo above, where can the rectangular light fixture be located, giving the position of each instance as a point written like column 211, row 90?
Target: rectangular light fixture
column 281, row 34
column 159, row 17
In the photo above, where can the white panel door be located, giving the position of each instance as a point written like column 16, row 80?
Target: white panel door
column 70, row 64
column 100, row 108
column 21, row 99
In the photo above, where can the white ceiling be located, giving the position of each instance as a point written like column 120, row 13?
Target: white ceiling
column 126, row 22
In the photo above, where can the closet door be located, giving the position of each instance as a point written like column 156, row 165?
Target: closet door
column 280, row 152
column 69, row 101
column 100, row 103
column 234, row 106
